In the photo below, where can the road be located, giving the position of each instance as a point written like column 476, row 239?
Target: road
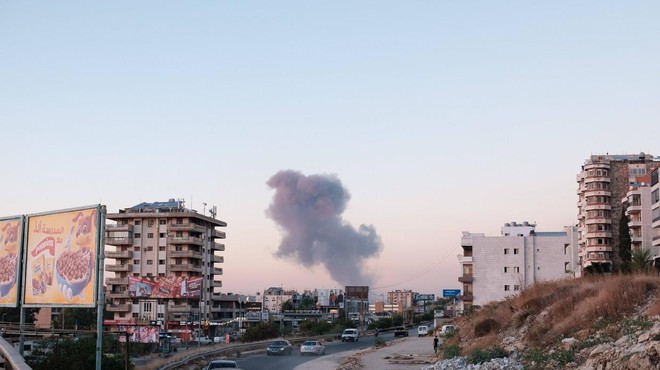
column 260, row 361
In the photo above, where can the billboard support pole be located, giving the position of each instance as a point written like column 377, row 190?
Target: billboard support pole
column 99, row 288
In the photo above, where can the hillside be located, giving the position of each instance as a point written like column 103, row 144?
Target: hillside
column 595, row 322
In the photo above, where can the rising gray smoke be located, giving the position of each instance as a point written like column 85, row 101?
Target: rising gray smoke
column 308, row 209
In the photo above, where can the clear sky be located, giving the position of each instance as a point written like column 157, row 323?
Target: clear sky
column 436, row 116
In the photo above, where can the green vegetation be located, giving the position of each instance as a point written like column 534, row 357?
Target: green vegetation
column 451, row 351
column 73, row 354
column 479, row 356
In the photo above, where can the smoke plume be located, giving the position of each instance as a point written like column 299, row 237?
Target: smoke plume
column 309, row 209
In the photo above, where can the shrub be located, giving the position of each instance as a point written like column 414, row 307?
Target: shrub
column 379, row 342
column 486, row 326
column 480, row 356
column 451, row 351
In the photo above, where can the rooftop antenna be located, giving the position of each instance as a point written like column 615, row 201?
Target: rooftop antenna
column 213, row 211
column 204, row 213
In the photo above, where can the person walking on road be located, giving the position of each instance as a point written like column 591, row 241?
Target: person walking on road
column 435, row 344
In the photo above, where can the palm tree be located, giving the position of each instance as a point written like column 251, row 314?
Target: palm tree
column 641, row 260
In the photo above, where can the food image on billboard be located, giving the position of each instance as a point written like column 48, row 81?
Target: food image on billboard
column 10, row 239
column 60, row 259
column 164, row 286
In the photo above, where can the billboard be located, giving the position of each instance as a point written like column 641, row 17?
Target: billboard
column 60, row 258
column 165, row 286
column 141, row 334
column 11, row 231
column 451, row 293
column 423, row 299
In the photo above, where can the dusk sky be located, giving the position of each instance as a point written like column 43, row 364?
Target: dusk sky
column 430, row 118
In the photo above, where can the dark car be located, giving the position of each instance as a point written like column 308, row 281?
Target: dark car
column 279, row 347
column 221, row 364
column 400, row 331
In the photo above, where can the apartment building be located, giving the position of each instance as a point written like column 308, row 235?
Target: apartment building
column 401, row 298
column 274, row 297
column 602, row 183
column 162, row 266
column 637, row 207
column 655, row 217
column 495, row 267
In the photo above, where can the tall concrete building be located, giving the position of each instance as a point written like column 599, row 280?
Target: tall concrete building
column 655, row 217
column 602, row 184
column 163, row 243
column 495, row 267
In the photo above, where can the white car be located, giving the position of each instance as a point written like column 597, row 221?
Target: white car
column 350, row 335
column 422, row 331
column 312, row 347
column 446, row 329
column 204, row 340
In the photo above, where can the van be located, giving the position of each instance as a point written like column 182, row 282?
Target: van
column 447, row 329
column 350, row 335
column 422, row 331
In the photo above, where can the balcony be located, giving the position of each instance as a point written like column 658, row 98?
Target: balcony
column 119, row 268
column 217, row 234
column 119, row 228
column 118, row 241
column 217, row 284
column 217, row 259
column 597, row 248
column 113, row 295
column 118, row 307
column 119, row 255
column 597, row 192
column 216, row 271
column 186, row 254
column 182, row 308
column 464, row 259
column 598, row 220
column 466, row 297
column 590, row 179
column 185, row 267
column 466, row 279
column 634, row 208
column 218, row 247
column 598, row 234
column 187, row 227
column 597, row 206
column 185, row 240
column 116, row 281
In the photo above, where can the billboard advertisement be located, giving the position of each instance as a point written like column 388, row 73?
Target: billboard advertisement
column 141, row 334
column 164, row 286
column 60, row 258
column 450, row 293
column 11, row 231
column 323, row 297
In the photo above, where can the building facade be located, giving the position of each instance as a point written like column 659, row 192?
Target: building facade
column 401, row 298
column 655, row 217
column 495, row 267
column 164, row 241
column 602, row 183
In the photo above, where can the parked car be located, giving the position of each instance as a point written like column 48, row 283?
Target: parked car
column 204, row 340
column 279, row 347
column 446, row 329
column 350, row 335
column 400, row 331
column 422, row 331
column 221, row 364
column 312, row 347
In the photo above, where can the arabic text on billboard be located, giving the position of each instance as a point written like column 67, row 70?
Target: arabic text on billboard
column 165, row 286
column 10, row 235
column 451, row 292
column 60, row 266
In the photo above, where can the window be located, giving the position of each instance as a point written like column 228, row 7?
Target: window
column 566, row 264
column 516, row 269
column 149, row 274
column 136, row 274
column 150, row 223
column 506, row 250
column 150, row 248
column 161, row 262
column 150, row 262
column 162, row 222
column 138, row 222
column 566, row 249
column 161, row 235
column 161, row 274
column 516, row 288
column 161, row 248
column 506, row 269
column 515, row 250
column 137, row 249
column 150, row 235
column 136, row 262
column 138, row 235
column 507, row 288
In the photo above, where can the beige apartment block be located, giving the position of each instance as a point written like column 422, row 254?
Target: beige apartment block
column 164, row 239
column 655, row 217
column 602, row 183
column 496, row 267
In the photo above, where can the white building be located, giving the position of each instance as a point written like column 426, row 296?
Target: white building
column 637, row 204
column 273, row 299
column 655, row 216
column 495, row 267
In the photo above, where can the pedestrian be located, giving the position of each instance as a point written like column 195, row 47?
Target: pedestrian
column 435, row 344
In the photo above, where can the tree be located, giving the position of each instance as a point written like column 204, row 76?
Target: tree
column 641, row 260
column 73, row 354
column 13, row 314
column 625, row 252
